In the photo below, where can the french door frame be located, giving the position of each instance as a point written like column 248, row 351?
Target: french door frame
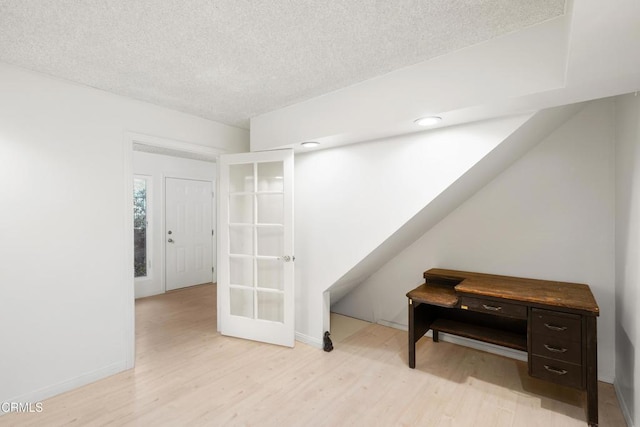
column 255, row 327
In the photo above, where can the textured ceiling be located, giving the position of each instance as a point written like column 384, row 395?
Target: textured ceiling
column 229, row 60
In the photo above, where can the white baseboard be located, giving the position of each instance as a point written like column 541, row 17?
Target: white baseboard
column 144, row 293
column 623, row 405
column 306, row 339
column 392, row 325
column 70, row 384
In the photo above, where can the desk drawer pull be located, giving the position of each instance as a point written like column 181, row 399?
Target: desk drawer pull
column 555, row 328
column 555, row 349
column 555, row 370
column 494, row 308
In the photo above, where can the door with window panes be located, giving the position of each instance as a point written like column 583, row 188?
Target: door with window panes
column 255, row 254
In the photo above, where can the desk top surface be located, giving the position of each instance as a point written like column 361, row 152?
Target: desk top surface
column 574, row 296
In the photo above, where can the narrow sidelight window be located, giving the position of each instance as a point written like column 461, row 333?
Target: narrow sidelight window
column 140, row 224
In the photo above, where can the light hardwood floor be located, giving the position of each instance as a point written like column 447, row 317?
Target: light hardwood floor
column 188, row 374
column 342, row 327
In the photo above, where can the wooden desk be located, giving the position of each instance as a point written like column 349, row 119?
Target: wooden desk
column 554, row 322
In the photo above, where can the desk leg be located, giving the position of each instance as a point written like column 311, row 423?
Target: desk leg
column 592, row 371
column 411, row 336
column 420, row 319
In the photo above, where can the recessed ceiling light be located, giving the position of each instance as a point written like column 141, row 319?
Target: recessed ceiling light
column 310, row 144
column 428, row 121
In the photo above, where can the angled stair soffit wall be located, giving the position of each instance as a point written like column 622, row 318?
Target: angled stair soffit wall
column 481, row 173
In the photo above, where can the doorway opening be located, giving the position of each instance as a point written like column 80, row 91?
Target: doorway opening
column 151, row 162
column 173, row 221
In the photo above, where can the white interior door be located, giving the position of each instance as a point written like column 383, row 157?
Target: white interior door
column 255, row 252
column 188, row 233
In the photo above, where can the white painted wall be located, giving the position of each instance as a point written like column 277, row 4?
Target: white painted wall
column 158, row 167
column 549, row 216
column 63, row 304
column 628, row 254
column 525, row 137
column 349, row 200
column 603, row 41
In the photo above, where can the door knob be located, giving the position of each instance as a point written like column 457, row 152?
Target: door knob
column 170, row 240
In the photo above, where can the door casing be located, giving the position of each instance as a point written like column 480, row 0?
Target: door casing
column 131, row 140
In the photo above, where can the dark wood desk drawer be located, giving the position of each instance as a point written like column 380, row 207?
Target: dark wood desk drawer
column 556, row 348
column 555, row 324
column 562, row 373
column 498, row 308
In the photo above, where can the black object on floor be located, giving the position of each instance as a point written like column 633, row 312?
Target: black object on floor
column 328, row 345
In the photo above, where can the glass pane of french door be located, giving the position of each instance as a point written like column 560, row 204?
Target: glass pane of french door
column 255, row 222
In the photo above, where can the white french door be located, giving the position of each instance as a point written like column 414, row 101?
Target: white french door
column 255, row 252
column 188, row 232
